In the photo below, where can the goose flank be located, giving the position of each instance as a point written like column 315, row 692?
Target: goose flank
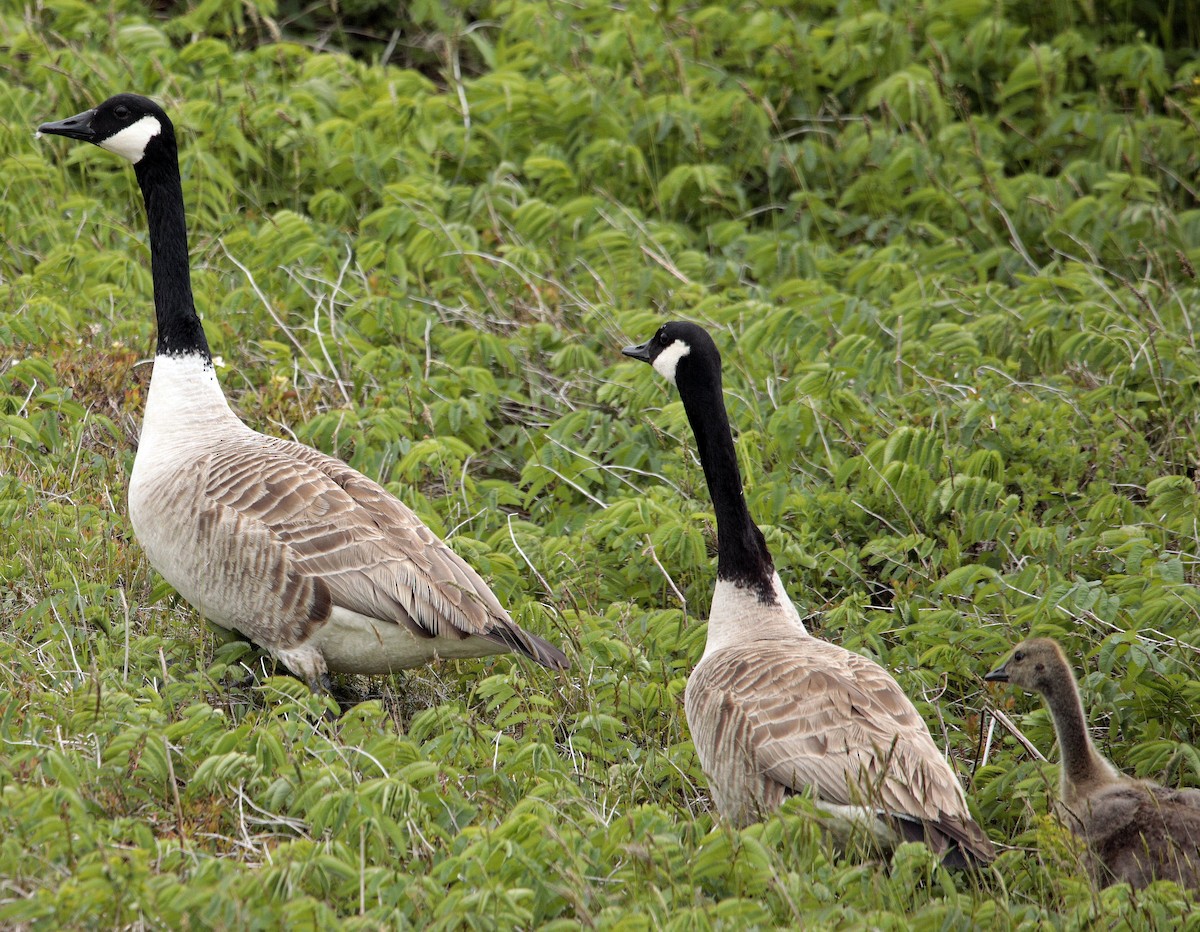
column 313, row 562
column 774, row 711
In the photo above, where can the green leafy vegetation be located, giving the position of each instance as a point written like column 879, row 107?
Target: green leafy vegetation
column 949, row 251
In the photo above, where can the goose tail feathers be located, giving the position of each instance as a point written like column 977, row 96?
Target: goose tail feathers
column 532, row 646
column 961, row 845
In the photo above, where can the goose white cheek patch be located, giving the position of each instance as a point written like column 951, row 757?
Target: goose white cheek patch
column 130, row 143
column 666, row 362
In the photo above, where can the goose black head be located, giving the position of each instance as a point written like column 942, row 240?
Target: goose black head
column 126, row 124
column 1037, row 665
column 678, row 348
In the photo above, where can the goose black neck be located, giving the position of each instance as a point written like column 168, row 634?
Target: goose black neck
column 1079, row 757
column 179, row 330
column 742, row 555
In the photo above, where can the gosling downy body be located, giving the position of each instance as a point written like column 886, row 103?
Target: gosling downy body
column 1137, row 831
column 774, row 711
column 312, row 561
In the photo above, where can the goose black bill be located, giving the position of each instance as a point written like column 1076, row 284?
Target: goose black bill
column 76, row 127
column 641, row 351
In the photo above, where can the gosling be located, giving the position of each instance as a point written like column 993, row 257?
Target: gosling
column 1137, row 831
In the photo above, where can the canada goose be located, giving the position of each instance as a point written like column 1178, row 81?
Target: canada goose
column 1138, row 831
column 309, row 559
column 773, row 710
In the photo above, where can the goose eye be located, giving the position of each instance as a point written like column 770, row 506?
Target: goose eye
column 662, row 337
column 121, row 112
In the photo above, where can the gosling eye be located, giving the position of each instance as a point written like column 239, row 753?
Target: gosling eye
column 1019, row 656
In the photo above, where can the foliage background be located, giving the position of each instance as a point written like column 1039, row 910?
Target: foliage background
column 949, row 251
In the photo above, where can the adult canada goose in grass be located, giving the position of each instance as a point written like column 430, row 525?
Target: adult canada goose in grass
column 1137, row 831
column 775, row 711
column 309, row 559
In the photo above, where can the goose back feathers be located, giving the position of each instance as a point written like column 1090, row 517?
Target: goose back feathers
column 774, row 711
column 309, row 559
column 769, row 721
column 1137, row 831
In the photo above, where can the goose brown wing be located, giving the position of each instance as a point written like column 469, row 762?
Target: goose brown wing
column 815, row 715
column 226, row 549
column 373, row 552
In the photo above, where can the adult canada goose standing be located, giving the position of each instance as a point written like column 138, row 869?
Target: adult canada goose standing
column 773, row 710
column 306, row 557
column 1137, row 831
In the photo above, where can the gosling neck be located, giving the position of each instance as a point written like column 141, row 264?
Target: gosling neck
column 1083, row 768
